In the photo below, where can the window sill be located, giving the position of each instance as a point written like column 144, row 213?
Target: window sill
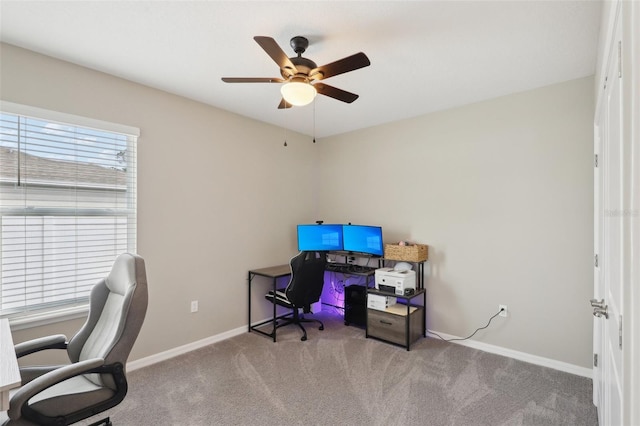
column 37, row 319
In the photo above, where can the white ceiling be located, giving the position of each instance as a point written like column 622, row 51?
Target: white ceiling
column 425, row 55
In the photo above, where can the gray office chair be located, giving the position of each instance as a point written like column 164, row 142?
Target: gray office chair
column 95, row 380
column 304, row 289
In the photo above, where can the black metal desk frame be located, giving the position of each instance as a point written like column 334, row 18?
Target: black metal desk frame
column 272, row 272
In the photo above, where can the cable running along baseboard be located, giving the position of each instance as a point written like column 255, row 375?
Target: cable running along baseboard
column 472, row 334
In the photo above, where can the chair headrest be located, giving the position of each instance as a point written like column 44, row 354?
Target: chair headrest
column 123, row 274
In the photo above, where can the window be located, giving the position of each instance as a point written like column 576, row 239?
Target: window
column 67, row 204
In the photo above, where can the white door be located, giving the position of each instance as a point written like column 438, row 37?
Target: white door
column 608, row 376
column 598, row 285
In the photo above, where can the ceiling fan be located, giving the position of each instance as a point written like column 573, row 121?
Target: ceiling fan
column 299, row 73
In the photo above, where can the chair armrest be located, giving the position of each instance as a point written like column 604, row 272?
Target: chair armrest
column 57, row 341
column 30, row 372
column 26, row 392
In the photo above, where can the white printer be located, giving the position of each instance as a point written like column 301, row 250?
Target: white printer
column 397, row 282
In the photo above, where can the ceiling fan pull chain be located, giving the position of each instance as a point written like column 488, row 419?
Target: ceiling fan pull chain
column 285, row 136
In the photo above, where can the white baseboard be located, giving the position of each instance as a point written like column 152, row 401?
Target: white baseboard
column 171, row 353
column 174, row 352
column 521, row 356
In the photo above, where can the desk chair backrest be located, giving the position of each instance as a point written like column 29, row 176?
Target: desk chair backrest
column 117, row 307
column 307, row 279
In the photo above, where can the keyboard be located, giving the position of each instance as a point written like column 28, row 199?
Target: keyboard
column 349, row 268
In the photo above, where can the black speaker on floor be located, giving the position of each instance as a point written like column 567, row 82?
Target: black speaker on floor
column 355, row 305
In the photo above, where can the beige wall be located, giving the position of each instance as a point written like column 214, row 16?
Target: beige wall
column 502, row 192
column 218, row 194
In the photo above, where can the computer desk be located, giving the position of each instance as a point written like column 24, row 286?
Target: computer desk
column 9, row 370
column 280, row 271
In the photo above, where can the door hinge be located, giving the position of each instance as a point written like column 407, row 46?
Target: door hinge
column 595, row 258
column 619, row 58
column 620, row 332
column 595, row 162
column 595, row 360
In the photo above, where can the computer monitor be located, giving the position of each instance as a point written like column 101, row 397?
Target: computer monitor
column 363, row 239
column 319, row 237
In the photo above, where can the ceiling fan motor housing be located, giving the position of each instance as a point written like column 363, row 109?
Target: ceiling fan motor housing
column 303, row 65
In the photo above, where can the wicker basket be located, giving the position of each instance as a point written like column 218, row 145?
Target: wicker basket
column 411, row 253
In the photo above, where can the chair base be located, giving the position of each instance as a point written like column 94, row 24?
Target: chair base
column 298, row 319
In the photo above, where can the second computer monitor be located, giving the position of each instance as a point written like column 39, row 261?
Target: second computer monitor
column 363, row 239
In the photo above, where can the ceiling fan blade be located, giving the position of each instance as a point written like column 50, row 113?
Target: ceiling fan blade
column 251, row 80
column 350, row 63
column 284, row 104
column 276, row 53
column 335, row 93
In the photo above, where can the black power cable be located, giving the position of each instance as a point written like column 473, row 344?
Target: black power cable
column 468, row 337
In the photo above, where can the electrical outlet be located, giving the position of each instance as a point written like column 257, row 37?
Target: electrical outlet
column 503, row 310
column 194, row 306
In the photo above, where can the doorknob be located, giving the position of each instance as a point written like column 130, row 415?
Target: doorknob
column 600, row 312
column 598, row 303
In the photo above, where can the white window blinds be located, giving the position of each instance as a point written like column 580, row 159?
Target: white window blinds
column 67, row 204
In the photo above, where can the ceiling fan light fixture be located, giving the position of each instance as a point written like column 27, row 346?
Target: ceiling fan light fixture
column 298, row 93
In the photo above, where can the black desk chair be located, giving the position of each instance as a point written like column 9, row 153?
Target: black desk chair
column 304, row 289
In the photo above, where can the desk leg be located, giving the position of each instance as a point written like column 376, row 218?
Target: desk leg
column 249, row 279
column 408, row 325
column 424, row 314
column 274, row 310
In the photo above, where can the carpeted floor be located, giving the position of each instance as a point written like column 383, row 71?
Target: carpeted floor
column 340, row 377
